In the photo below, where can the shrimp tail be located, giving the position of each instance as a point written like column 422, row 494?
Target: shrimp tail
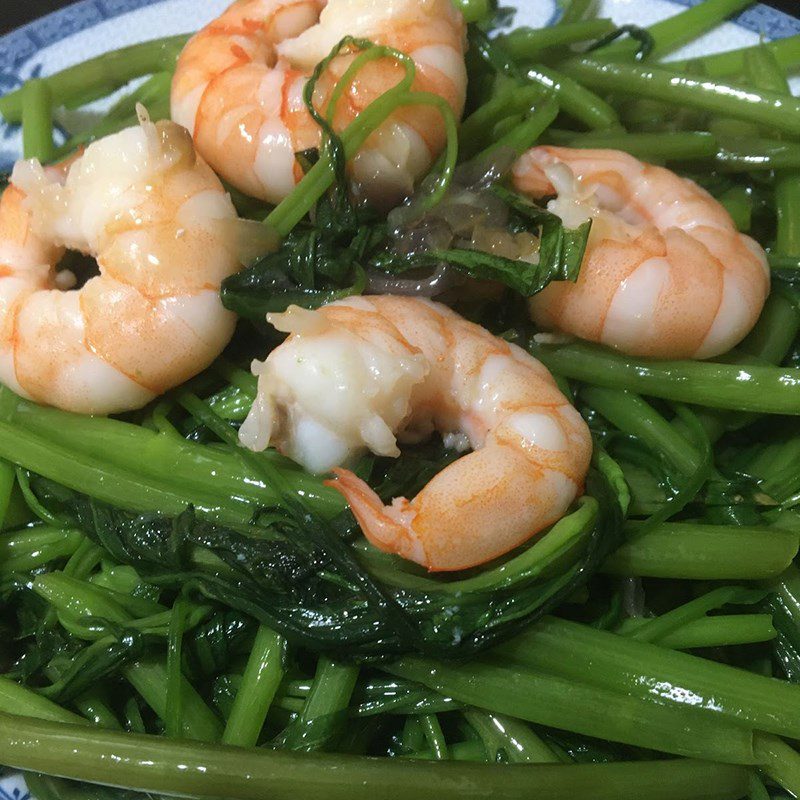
column 388, row 528
column 388, row 367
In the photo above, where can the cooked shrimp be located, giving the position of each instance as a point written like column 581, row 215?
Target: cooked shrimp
column 666, row 274
column 162, row 230
column 359, row 373
column 239, row 86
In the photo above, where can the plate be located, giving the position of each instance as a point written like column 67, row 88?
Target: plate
column 91, row 27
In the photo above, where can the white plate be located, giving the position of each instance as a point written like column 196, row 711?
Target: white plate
column 91, row 27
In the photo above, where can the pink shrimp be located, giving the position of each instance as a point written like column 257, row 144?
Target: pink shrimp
column 162, row 230
column 666, row 274
column 362, row 372
column 238, row 88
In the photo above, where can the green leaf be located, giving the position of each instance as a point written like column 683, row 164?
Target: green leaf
column 312, row 267
column 265, row 288
column 284, row 574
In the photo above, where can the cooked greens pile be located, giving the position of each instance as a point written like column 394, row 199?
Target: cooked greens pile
column 180, row 616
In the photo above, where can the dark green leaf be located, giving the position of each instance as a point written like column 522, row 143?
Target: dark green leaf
column 313, row 267
column 282, row 574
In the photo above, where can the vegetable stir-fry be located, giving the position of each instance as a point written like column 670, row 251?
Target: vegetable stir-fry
column 182, row 615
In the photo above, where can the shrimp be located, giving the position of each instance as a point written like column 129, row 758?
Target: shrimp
column 158, row 222
column 359, row 373
column 238, row 87
column 666, row 274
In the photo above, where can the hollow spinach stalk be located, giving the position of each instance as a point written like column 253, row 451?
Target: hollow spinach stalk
column 693, row 551
column 604, row 660
column 156, row 764
column 325, row 710
column 685, row 461
column 573, row 99
column 786, row 52
column 37, row 120
column 262, row 676
column 135, row 468
column 763, row 107
column 738, row 387
column 678, row 29
column 500, row 685
column 101, row 75
column 298, row 576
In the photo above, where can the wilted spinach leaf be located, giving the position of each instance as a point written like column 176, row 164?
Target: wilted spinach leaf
column 313, row 266
column 317, row 265
column 286, row 575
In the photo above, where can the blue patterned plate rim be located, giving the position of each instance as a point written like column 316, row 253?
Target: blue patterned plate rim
column 19, row 45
